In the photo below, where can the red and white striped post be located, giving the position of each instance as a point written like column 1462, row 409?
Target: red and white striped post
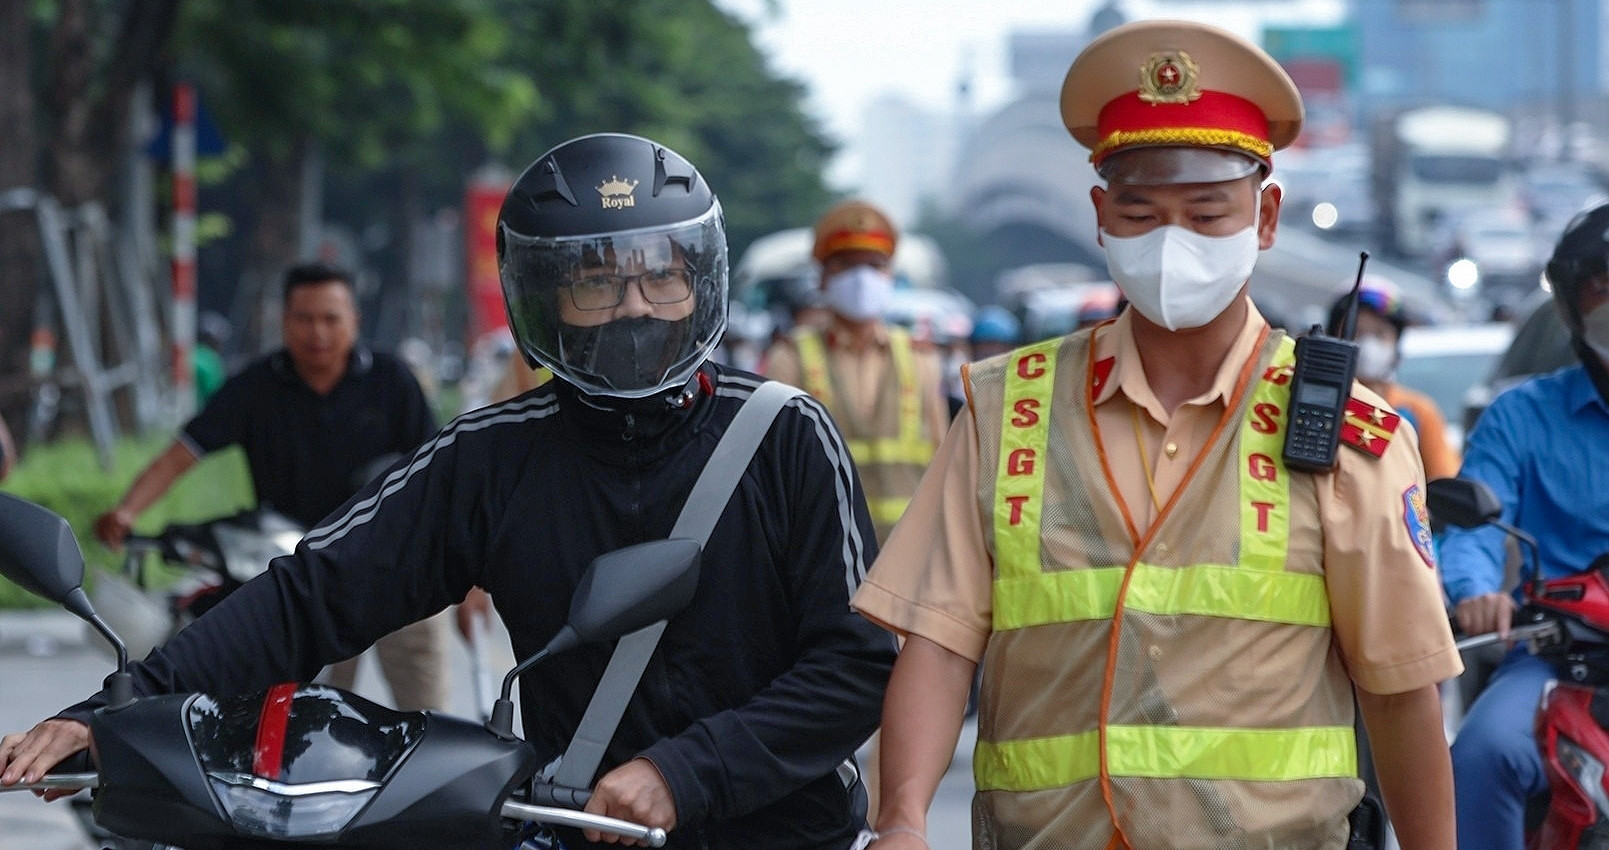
column 184, row 249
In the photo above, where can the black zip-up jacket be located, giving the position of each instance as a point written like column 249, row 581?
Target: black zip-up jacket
column 757, row 691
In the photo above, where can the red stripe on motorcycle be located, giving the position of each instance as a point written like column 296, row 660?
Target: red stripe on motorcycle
column 269, row 753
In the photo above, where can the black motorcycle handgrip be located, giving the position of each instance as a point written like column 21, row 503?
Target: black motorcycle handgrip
column 543, row 794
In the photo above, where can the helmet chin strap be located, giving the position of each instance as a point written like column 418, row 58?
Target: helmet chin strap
column 665, row 402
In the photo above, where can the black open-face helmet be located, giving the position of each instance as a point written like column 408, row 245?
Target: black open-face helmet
column 600, row 222
column 1582, row 253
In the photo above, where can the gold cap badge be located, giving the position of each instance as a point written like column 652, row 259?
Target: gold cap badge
column 1169, row 77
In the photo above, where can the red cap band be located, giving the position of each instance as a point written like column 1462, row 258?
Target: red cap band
column 852, row 240
column 1215, row 119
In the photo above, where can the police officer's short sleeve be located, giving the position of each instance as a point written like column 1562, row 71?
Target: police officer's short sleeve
column 933, row 576
column 1386, row 606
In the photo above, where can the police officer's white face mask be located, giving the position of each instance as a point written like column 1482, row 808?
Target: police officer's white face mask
column 1179, row 278
column 1377, row 358
column 860, row 293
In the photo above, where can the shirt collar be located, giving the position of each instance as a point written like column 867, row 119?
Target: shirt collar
column 1580, row 391
column 836, row 337
column 1116, row 340
column 358, row 362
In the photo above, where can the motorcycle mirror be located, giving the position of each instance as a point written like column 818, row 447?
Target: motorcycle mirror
column 39, row 552
column 627, row 589
column 1461, row 502
column 620, row 592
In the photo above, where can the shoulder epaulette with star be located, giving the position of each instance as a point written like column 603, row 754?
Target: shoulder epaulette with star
column 1368, row 428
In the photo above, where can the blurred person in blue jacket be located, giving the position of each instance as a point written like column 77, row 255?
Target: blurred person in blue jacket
column 1541, row 447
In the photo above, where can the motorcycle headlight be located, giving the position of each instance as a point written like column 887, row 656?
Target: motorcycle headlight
column 266, row 809
column 1587, row 771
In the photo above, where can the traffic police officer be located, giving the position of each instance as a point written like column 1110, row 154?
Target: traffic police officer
column 1171, row 622
column 885, row 391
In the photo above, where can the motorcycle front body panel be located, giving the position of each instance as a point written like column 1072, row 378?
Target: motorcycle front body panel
column 302, row 766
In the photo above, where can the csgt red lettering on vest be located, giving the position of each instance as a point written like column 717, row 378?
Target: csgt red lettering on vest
column 1263, row 509
column 1016, row 503
column 1027, row 412
column 1262, row 468
column 1031, row 366
column 1278, row 375
column 1020, row 462
column 1265, row 417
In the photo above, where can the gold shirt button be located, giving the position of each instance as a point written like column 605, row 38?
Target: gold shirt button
column 1162, row 548
column 1171, row 448
column 1155, row 652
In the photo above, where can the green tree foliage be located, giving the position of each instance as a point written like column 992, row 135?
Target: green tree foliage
column 434, row 88
column 685, row 74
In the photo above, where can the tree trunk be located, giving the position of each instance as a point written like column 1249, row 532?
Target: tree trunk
column 19, row 239
column 91, row 119
column 276, row 192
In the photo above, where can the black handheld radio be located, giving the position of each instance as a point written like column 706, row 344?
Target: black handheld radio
column 1321, row 383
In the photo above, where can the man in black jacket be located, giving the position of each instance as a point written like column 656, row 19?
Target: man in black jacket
column 613, row 257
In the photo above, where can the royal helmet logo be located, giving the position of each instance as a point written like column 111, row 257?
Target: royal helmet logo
column 617, row 194
column 1169, row 77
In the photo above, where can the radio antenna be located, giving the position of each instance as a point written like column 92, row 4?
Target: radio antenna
column 1349, row 322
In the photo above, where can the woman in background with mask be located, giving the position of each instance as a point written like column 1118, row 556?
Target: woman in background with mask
column 1381, row 320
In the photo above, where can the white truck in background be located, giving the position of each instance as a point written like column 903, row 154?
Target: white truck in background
column 1431, row 162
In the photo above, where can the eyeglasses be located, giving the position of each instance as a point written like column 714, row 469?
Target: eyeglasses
column 606, row 291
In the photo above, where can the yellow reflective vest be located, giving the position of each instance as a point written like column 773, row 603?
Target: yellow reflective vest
column 1121, row 702
column 892, row 446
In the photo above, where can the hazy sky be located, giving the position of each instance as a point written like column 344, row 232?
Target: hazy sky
column 851, row 51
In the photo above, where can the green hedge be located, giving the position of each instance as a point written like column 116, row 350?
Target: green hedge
column 66, row 477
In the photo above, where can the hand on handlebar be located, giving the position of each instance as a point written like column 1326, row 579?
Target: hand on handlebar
column 113, row 527
column 27, row 756
column 635, row 792
column 1489, row 612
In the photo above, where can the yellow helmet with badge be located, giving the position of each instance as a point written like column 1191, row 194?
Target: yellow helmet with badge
column 1203, row 104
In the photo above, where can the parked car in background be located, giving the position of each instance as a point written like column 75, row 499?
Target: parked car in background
column 1553, row 192
column 1444, row 361
column 1490, row 254
column 937, row 314
column 1541, row 344
column 1328, row 191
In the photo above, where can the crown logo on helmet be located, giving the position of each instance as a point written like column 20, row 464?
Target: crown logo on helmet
column 617, row 193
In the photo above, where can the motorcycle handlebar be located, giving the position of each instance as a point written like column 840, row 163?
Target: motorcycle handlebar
column 652, row 836
column 58, row 782
column 1533, row 632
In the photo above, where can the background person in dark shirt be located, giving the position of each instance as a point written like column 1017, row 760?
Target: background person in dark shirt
column 310, row 418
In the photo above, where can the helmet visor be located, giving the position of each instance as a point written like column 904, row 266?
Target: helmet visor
column 626, row 314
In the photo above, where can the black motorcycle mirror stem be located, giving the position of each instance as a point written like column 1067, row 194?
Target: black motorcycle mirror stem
column 39, row 552
column 501, row 723
column 619, row 593
column 120, row 684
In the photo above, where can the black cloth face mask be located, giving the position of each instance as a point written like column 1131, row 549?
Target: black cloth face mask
column 626, row 354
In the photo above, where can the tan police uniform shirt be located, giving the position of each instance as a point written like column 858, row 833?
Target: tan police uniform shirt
column 933, row 578
column 865, row 374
